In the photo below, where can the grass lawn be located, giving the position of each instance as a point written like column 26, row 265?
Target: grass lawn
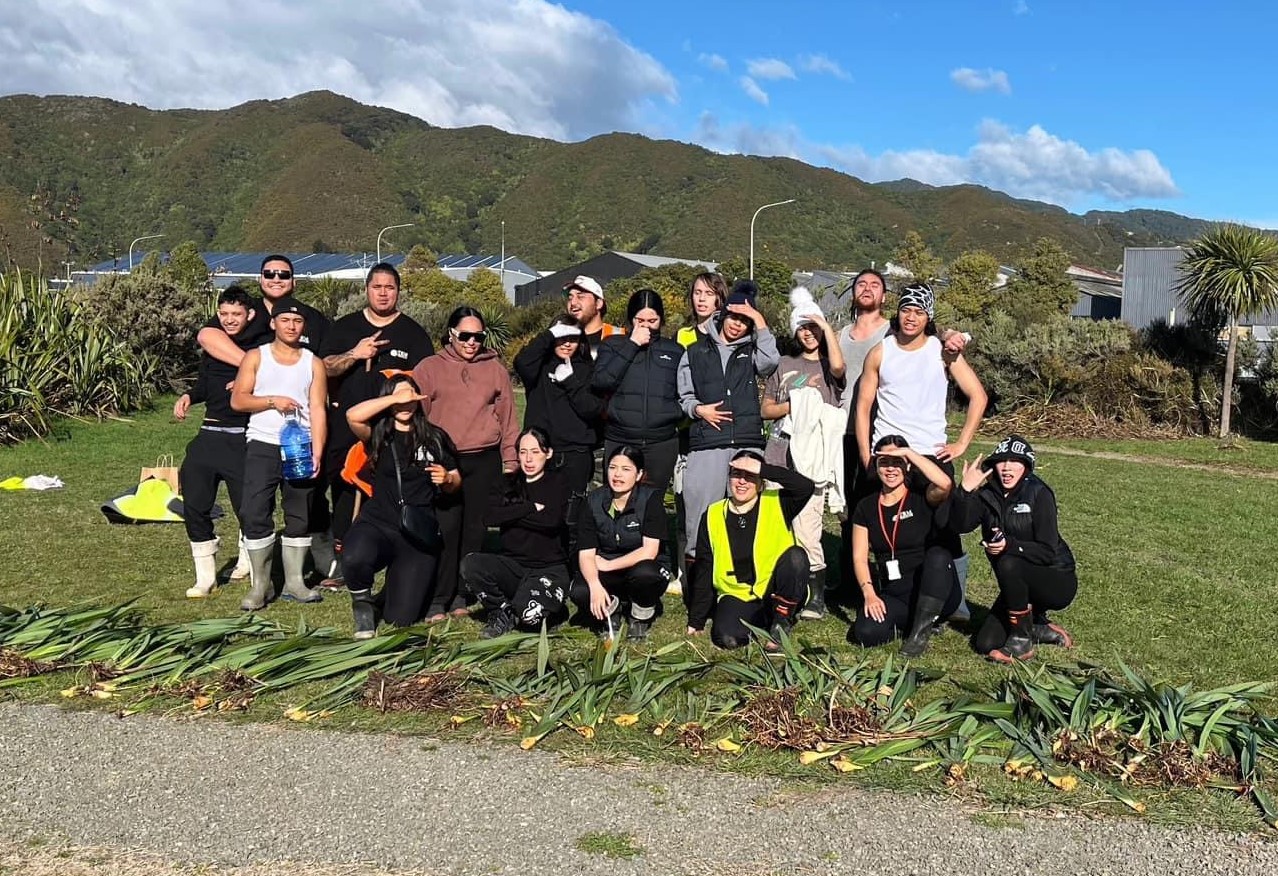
column 1237, row 453
column 1176, row 572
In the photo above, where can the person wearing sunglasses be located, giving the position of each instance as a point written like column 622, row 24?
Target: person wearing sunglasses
column 905, row 572
column 467, row 392
column 750, row 568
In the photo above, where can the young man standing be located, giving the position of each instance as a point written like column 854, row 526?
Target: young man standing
column 586, row 303
column 274, row 380
column 216, row 454
column 357, row 348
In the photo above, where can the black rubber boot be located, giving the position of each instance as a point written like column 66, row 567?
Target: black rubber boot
column 815, row 609
column 364, row 610
column 1020, row 644
column 784, row 614
column 926, row 613
column 500, row 622
column 1048, row 633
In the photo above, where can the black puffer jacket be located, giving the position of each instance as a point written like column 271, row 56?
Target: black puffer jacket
column 642, row 382
column 567, row 410
column 1027, row 517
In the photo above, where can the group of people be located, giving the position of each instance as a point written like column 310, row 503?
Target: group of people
column 421, row 453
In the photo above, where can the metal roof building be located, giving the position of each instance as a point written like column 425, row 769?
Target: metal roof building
column 605, row 268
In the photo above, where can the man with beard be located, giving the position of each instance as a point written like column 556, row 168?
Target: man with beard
column 357, row 348
column 586, row 303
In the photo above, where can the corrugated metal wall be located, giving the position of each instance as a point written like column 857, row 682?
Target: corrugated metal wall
column 1150, row 276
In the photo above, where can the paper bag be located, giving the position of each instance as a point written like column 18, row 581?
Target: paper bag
column 163, row 470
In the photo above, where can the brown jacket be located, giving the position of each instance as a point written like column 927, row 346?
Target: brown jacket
column 472, row 401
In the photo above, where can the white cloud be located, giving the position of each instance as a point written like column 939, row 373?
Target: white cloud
column 715, row 62
column 1030, row 164
column 1021, row 8
column 822, row 64
column 753, row 91
column 770, row 68
column 981, row 80
column 530, row 66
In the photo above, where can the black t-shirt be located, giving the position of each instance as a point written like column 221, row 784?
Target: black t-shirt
column 418, row 487
column 911, row 535
column 531, row 537
column 654, row 523
column 408, row 345
column 258, row 331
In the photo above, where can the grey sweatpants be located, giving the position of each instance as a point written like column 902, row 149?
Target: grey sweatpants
column 705, row 481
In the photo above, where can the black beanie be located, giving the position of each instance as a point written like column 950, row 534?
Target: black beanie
column 1013, row 448
column 743, row 292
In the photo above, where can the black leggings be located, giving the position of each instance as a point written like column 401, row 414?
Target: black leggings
column 371, row 546
column 641, row 585
column 933, row 577
column 1022, row 584
column 212, row 458
column 578, row 467
column 531, row 595
column 461, row 521
column 263, row 475
column 789, row 582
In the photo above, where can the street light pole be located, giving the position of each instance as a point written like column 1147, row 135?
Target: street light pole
column 502, row 266
column 136, row 241
column 383, row 231
column 756, row 216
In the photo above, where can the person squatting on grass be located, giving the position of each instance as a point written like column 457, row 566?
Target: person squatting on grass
column 907, row 377
column 357, row 349
column 277, row 379
column 620, row 550
column 802, row 397
column 912, row 583
column 413, row 462
column 216, row 453
column 467, row 393
column 527, row 583
column 749, row 568
column 718, row 390
column 1034, row 566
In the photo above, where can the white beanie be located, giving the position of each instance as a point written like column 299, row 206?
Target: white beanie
column 802, row 307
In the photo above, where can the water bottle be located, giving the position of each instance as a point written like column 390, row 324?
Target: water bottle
column 295, row 450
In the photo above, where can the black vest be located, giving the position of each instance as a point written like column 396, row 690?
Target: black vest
column 620, row 535
column 1019, row 525
column 737, row 388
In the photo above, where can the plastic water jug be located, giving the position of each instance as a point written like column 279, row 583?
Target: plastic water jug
column 295, row 450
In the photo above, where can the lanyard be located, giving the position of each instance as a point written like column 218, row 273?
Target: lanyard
column 896, row 524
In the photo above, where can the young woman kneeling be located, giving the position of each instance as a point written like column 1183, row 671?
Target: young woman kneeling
column 526, row 584
column 413, row 463
column 756, row 572
column 620, row 549
column 913, row 583
column 1032, row 563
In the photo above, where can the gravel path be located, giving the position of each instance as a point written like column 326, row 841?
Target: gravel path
column 229, row 795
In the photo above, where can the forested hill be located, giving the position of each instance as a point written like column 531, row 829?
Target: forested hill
column 322, row 171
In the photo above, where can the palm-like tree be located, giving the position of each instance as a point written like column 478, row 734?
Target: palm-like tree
column 1230, row 272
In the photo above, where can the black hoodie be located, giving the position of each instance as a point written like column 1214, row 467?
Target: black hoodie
column 1026, row 515
column 567, row 410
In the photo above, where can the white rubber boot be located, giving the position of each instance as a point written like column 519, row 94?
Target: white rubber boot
column 242, row 570
column 261, row 554
column 205, row 555
column 294, row 552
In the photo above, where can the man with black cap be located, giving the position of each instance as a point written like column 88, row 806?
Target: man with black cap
column 719, row 391
column 277, row 380
column 1033, row 565
column 750, row 568
column 585, row 302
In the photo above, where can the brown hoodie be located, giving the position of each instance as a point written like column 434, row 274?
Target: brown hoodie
column 472, row 401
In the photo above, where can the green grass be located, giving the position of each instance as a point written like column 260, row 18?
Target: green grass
column 610, row 844
column 1236, row 452
column 1175, row 569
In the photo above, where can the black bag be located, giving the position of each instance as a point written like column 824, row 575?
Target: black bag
column 417, row 523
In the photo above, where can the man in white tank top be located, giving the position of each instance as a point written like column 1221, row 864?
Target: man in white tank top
column 906, row 376
column 277, row 379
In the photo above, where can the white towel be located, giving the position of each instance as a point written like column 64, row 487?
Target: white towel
column 816, row 443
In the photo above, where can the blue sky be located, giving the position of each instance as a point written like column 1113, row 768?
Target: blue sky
column 1087, row 104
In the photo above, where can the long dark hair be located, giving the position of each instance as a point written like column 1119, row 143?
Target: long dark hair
column 422, row 432
column 645, row 299
column 516, row 487
column 455, row 318
column 823, row 355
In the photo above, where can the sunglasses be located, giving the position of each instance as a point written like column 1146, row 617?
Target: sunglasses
column 889, row 462
column 742, row 474
column 277, row 275
column 467, row 337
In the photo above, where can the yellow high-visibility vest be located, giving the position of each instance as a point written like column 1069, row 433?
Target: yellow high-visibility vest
column 772, row 536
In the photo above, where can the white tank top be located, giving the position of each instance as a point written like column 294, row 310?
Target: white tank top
column 912, row 394
column 274, row 378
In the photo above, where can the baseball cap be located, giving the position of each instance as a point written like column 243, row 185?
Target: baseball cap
column 586, row 284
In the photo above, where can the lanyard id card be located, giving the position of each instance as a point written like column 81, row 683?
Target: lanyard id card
column 893, row 566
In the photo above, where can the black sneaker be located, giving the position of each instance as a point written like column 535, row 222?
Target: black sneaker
column 500, row 622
